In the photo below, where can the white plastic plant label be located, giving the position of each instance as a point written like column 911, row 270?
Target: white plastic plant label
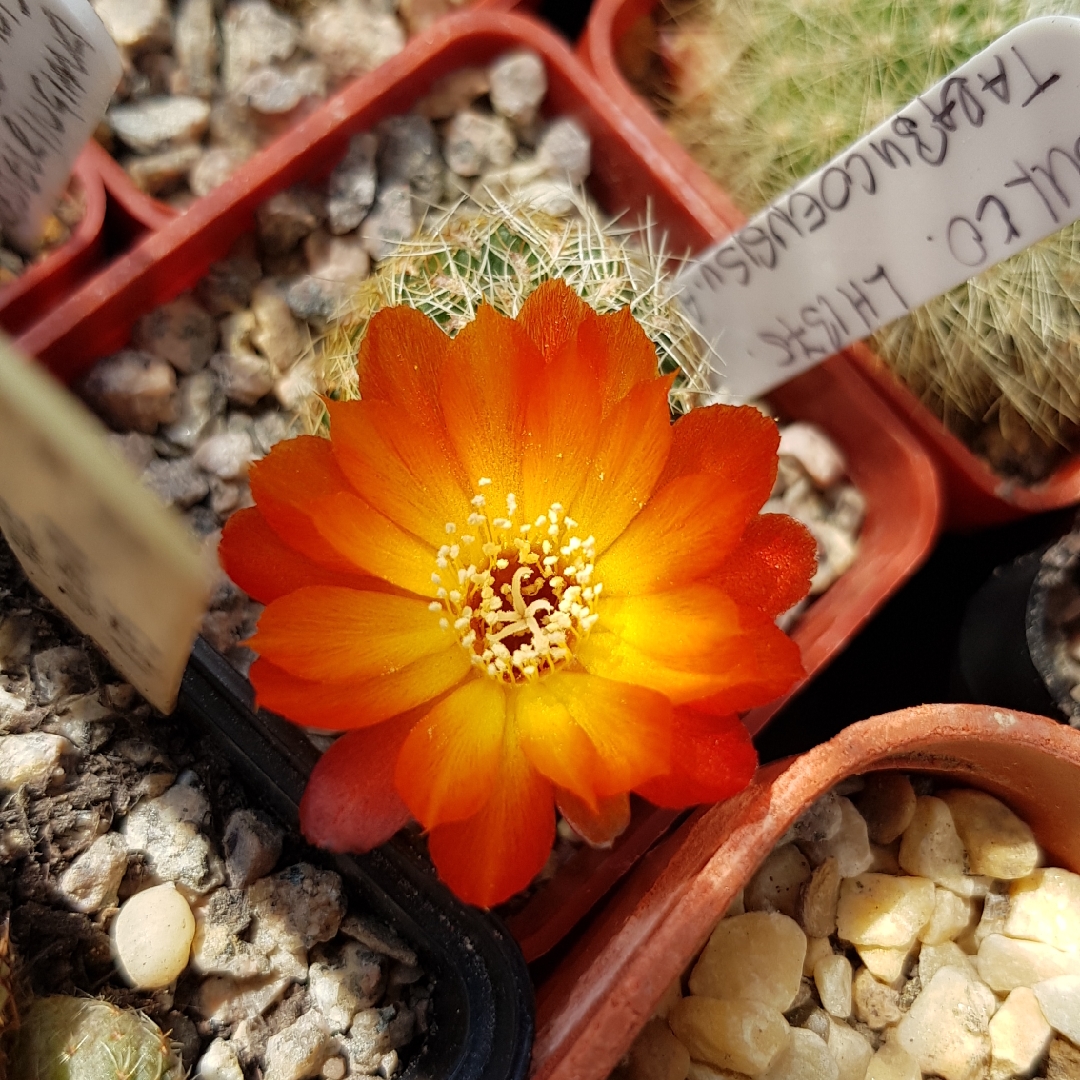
column 977, row 168
column 58, row 69
column 114, row 560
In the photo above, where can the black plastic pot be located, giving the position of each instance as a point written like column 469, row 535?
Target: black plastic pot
column 1012, row 648
column 482, row 1005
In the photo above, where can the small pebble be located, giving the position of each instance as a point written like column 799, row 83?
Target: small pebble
column 32, row 758
column 91, row 882
column 151, row 937
column 746, row 1036
column 996, row 841
column 1019, row 1036
column 1059, row 999
column 1045, row 906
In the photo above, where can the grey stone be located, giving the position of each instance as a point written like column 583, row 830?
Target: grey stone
column 135, row 24
column 155, row 173
column 378, row 938
column 215, row 167
column 276, row 334
column 166, row 831
column 255, row 34
column 91, row 882
column 344, row 982
column 200, row 400
column 31, row 758
column 351, row 37
column 227, row 455
column 409, row 154
column 565, row 150
column 271, row 91
column 286, row 218
column 369, row 1043
column 195, row 46
column 313, row 300
column 227, row 496
column 156, row 123
column 182, row 332
column 132, row 391
column 453, row 93
column 59, row 672
column 226, row 287
column 299, row 1050
column 336, row 259
column 219, row 1063
column 297, row 385
column 474, row 142
column 252, row 847
column 218, row 947
column 176, row 482
column 135, row 447
column 518, row 85
column 245, row 376
column 390, row 222
column 351, row 188
column 269, row 429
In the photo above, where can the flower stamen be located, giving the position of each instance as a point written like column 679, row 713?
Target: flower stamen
column 521, row 604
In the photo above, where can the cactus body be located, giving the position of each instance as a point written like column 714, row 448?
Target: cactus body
column 772, row 89
column 67, row 1038
column 498, row 256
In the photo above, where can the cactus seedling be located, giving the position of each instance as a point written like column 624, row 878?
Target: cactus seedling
column 769, row 90
column 498, row 256
column 68, row 1038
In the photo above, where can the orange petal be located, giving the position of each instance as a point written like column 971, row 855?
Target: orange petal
column 400, row 362
column 451, row 757
column 630, row 454
column 712, row 759
column 374, row 543
column 591, row 736
column 265, row 567
column 325, row 633
column 622, row 351
column 687, row 529
column 551, row 315
column 690, row 643
column 770, row 570
column 488, row 857
column 284, row 484
column 350, row 803
column 401, row 470
column 339, row 706
column 736, row 442
column 562, row 418
column 483, row 402
column 598, row 827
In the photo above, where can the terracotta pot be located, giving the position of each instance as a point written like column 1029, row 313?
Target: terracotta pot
column 974, row 494
column 44, row 284
column 592, row 1007
column 884, row 460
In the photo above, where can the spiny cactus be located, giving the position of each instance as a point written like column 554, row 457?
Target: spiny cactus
column 68, row 1038
column 498, row 256
column 772, row 89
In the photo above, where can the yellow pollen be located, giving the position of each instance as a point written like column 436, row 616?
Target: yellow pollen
column 520, row 605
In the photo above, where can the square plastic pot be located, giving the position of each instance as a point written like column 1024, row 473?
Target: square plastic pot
column 592, row 1007
column 974, row 495
column 885, row 461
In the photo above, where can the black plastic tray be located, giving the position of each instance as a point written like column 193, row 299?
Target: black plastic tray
column 482, row 1004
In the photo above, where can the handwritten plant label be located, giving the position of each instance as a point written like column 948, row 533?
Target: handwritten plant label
column 117, row 563
column 58, row 69
column 974, row 170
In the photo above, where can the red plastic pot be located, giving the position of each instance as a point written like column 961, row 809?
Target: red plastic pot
column 46, row 283
column 885, row 461
column 974, row 494
column 593, row 1006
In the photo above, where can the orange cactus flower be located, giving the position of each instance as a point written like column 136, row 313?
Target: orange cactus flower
column 517, row 585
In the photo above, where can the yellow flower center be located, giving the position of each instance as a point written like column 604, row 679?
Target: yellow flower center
column 519, row 594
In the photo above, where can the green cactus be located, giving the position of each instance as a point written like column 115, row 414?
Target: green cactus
column 772, row 89
column 499, row 256
column 68, row 1038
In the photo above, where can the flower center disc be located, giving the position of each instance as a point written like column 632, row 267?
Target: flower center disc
column 519, row 594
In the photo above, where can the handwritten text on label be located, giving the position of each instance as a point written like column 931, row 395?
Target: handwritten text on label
column 58, row 69
column 979, row 167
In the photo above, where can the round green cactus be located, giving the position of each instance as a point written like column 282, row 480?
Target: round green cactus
column 772, row 89
column 498, row 256
column 68, row 1038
